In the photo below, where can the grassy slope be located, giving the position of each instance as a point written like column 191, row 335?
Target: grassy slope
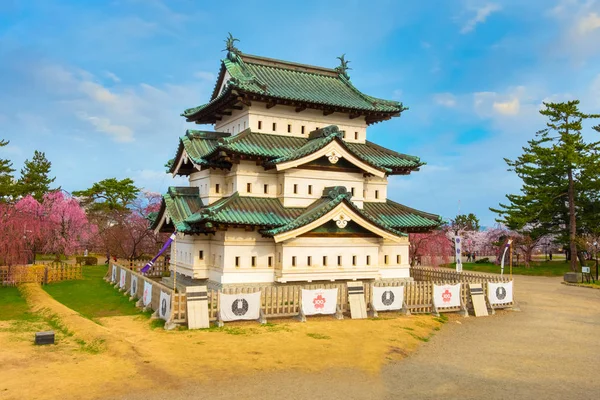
column 12, row 305
column 92, row 297
column 543, row 268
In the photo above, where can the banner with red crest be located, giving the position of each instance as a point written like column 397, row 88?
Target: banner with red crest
column 319, row 301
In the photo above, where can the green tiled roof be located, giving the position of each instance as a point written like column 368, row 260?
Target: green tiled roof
column 400, row 216
column 188, row 215
column 292, row 82
column 240, row 210
column 180, row 202
column 205, row 148
column 332, row 197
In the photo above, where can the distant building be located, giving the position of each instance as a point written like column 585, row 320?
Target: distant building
column 287, row 188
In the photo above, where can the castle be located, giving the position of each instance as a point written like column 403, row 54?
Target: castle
column 287, row 188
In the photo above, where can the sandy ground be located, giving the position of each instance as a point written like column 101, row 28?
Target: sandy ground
column 548, row 350
column 123, row 356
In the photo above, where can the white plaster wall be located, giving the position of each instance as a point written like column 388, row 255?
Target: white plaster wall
column 235, row 123
column 248, row 172
column 207, row 181
column 317, row 248
column 282, row 116
column 245, row 245
column 375, row 189
column 319, row 180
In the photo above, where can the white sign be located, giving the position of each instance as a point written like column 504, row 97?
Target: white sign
column 585, row 270
column 113, row 276
column 457, row 245
column 500, row 293
column 446, row 295
column 239, row 306
column 123, row 278
column 147, row 296
column 319, row 301
column 134, row 286
column 164, row 307
column 387, row 298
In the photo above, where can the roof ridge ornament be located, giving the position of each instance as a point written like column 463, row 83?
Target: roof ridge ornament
column 232, row 50
column 343, row 68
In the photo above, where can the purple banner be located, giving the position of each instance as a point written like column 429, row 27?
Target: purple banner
column 165, row 247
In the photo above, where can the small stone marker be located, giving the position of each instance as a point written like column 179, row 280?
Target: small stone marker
column 356, row 298
column 197, row 307
column 478, row 300
column 46, row 337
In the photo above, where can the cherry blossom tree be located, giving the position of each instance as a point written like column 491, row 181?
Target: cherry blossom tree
column 432, row 248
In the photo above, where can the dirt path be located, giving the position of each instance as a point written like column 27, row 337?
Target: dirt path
column 549, row 351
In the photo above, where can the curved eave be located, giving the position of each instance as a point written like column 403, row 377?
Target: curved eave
column 232, row 96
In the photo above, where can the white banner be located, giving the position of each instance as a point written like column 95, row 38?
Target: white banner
column 134, row 286
column 147, row 296
column 123, row 278
column 239, row 306
column 500, row 293
column 164, row 307
column 319, row 301
column 446, row 295
column 458, row 255
column 113, row 276
column 387, row 298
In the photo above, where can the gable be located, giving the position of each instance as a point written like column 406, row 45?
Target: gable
column 331, row 229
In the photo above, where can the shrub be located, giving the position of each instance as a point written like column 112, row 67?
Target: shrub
column 482, row 261
column 87, row 260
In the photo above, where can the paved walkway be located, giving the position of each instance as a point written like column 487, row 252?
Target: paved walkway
column 550, row 350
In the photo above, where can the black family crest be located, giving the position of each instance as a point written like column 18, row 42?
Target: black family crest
column 239, row 307
column 500, row 293
column 387, row 298
column 163, row 307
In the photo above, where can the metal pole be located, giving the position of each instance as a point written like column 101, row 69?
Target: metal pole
column 510, row 259
column 596, row 245
column 175, row 263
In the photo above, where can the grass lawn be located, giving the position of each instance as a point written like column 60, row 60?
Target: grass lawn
column 92, row 297
column 13, row 305
column 541, row 268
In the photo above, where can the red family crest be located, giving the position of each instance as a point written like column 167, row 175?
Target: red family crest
column 319, row 301
column 447, row 296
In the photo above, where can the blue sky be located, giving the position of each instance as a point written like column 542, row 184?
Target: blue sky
column 99, row 85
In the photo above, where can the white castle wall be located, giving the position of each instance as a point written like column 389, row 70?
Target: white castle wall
column 289, row 122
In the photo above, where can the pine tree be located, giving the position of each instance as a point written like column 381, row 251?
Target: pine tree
column 560, row 179
column 35, row 179
column 6, row 178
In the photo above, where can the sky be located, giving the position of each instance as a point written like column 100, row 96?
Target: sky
column 99, row 86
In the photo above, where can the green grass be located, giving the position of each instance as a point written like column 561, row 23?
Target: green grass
column 13, row 306
column 318, row 336
column 541, row 268
column 92, row 297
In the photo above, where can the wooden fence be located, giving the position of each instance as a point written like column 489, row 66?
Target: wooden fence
column 447, row 274
column 42, row 274
column 285, row 301
column 158, row 270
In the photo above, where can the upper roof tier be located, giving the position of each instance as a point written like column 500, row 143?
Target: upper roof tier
column 218, row 149
column 244, row 78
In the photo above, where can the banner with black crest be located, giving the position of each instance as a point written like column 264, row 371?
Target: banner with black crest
column 387, row 298
column 113, row 276
column 164, row 307
column 134, row 286
column 239, row 306
column 500, row 292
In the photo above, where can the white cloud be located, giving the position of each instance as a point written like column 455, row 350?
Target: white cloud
column 205, row 75
column 588, row 23
column 481, row 15
column 112, row 76
column 119, row 133
column 510, row 107
column 445, row 99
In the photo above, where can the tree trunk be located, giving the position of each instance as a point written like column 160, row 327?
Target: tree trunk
column 572, row 222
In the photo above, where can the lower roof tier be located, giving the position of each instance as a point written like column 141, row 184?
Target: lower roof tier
column 183, row 210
